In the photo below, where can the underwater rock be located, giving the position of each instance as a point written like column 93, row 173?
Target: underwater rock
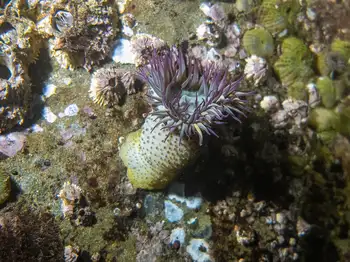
column 210, row 33
column 293, row 116
column 84, row 31
column 15, row 92
column 19, row 47
column 20, row 37
column 153, row 157
column 11, row 144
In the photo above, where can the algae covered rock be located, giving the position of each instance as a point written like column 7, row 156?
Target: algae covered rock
column 298, row 91
column 153, row 157
column 294, row 65
column 5, row 187
column 323, row 119
column 259, row 42
column 342, row 47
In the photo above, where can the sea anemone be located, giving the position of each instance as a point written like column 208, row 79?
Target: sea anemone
column 187, row 97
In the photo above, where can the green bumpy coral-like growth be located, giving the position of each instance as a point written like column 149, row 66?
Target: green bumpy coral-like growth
column 258, row 42
column 277, row 15
column 327, row 90
column 294, row 65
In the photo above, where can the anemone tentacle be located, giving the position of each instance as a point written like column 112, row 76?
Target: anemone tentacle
column 189, row 98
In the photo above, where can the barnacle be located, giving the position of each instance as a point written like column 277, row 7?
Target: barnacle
column 294, row 65
column 258, row 42
column 107, row 88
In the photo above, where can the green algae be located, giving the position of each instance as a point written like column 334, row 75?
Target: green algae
column 327, row 90
column 258, row 42
column 295, row 63
column 277, row 16
column 323, row 119
column 297, row 91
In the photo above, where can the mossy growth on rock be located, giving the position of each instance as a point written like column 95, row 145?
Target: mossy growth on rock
column 297, row 91
column 329, row 63
column 277, row 15
column 294, row 65
column 341, row 47
column 259, row 42
column 5, row 187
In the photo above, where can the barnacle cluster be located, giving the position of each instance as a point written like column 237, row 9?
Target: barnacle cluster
column 83, row 31
column 187, row 101
column 19, row 48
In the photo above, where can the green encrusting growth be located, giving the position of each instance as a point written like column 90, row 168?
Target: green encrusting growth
column 258, row 42
column 294, row 65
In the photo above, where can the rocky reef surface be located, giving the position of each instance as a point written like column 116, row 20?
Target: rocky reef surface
column 83, row 177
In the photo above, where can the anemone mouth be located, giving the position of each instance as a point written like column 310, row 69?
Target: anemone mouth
column 188, row 98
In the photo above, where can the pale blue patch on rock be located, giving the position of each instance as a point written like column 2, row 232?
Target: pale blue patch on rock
column 198, row 250
column 172, row 212
column 194, row 202
column 177, row 234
